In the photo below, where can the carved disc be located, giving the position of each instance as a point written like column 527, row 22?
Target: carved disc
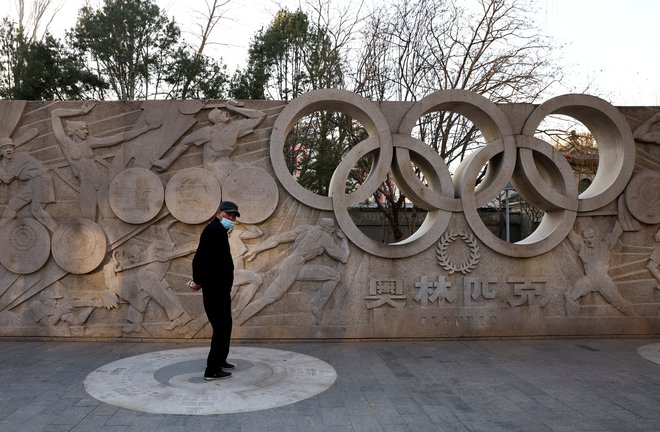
column 255, row 192
column 79, row 246
column 136, row 195
column 25, row 245
column 192, row 195
column 643, row 197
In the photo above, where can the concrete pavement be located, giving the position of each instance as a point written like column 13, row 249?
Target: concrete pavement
column 492, row 385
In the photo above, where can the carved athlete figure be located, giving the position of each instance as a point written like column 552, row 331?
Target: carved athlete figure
column 219, row 138
column 309, row 242
column 595, row 256
column 37, row 189
column 78, row 148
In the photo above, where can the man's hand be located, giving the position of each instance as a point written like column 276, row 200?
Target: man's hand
column 193, row 286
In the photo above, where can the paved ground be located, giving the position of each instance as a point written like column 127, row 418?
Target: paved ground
column 171, row 382
column 548, row 385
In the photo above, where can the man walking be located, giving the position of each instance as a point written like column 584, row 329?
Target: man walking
column 213, row 273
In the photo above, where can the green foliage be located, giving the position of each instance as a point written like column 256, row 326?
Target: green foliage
column 287, row 59
column 405, row 50
column 317, row 144
column 193, row 75
column 135, row 47
column 129, row 40
column 41, row 70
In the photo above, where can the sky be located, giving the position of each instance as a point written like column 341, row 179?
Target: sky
column 610, row 48
column 611, row 45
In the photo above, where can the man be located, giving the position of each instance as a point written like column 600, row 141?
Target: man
column 213, row 273
column 78, row 149
column 219, row 138
column 309, row 242
column 654, row 260
column 594, row 252
column 246, row 282
column 140, row 278
column 37, row 189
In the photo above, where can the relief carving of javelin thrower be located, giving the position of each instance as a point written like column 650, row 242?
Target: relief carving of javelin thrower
column 78, row 148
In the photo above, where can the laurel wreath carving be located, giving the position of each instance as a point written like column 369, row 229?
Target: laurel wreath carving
column 444, row 261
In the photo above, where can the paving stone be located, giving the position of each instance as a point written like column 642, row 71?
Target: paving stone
column 463, row 386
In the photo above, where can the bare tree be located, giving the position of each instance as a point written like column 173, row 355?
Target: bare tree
column 414, row 48
column 427, row 45
column 209, row 19
column 372, row 70
column 190, row 67
column 38, row 18
column 340, row 24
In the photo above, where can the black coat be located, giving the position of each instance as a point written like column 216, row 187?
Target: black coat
column 212, row 264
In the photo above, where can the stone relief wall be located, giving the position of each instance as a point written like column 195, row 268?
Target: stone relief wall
column 102, row 205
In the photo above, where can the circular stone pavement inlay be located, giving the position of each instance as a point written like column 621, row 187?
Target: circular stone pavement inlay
column 650, row 352
column 171, row 382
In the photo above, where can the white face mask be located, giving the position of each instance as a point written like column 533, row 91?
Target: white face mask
column 228, row 224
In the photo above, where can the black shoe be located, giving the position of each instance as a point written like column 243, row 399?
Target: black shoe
column 216, row 375
column 226, row 365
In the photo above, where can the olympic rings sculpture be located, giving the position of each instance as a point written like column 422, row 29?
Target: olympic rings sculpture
column 538, row 171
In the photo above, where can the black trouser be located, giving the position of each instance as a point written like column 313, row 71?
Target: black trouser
column 217, row 304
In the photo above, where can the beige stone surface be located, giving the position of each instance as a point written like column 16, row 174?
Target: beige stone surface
column 102, row 205
column 25, row 245
column 79, row 245
column 255, row 189
column 192, row 195
column 136, row 195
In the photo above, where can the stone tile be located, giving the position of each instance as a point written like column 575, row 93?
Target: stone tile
column 467, row 386
column 58, row 428
column 335, row 416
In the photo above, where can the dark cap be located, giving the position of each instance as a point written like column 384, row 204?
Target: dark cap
column 229, row 207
